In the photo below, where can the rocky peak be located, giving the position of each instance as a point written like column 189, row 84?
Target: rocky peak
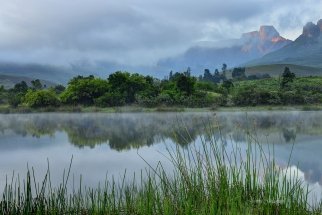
column 268, row 32
column 311, row 30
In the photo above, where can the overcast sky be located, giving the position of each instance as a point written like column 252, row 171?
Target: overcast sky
column 136, row 32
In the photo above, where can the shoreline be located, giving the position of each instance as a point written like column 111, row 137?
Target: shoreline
column 138, row 109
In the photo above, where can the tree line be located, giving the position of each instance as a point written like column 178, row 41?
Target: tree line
column 179, row 89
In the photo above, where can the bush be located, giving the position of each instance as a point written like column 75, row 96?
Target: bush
column 110, row 99
column 41, row 98
column 251, row 95
column 15, row 100
column 292, row 97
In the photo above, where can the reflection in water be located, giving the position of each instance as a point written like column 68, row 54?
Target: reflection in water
column 104, row 143
column 126, row 131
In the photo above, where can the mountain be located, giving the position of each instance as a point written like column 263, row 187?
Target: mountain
column 306, row 50
column 250, row 46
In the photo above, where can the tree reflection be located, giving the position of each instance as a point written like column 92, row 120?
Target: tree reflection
column 127, row 131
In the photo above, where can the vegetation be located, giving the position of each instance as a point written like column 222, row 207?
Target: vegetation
column 225, row 88
column 206, row 179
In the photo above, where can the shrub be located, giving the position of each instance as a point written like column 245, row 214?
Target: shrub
column 110, row 99
column 41, row 98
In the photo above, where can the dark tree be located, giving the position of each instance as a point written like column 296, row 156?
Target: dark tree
column 186, row 84
column 227, row 84
column 171, row 75
column 21, row 87
column 287, row 77
column 239, row 73
column 207, row 76
column 36, row 84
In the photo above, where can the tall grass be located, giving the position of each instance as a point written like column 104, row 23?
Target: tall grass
column 206, row 179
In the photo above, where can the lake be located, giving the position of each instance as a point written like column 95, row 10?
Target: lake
column 105, row 145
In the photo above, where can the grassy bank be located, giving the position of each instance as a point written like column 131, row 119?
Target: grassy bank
column 206, row 179
column 4, row 109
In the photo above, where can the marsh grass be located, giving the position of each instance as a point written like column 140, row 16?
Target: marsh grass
column 206, row 179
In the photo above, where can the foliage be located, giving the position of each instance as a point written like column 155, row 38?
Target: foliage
column 239, row 73
column 36, row 84
column 185, row 84
column 84, row 90
column 287, row 77
column 110, row 99
column 180, row 89
column 41, row 98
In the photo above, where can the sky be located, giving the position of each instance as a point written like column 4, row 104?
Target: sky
column 136, row 32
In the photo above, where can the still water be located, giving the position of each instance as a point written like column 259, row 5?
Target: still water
column 105, row 145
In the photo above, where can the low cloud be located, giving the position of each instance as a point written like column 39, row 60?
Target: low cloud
column 135, row 32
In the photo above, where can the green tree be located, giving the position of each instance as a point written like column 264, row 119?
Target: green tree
column 131, row 85
column 287, row 77
column 84, row 90
column 185, row 84
column 59, row 89
column 228, row 84
column 41, row 98
column 21, row 87
column 17, row 93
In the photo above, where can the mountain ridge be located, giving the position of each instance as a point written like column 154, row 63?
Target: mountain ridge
column 248, row 47
column 306, row 50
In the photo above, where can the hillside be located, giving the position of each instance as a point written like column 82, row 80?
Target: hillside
column 51, row 74
column 9, row 81
column 275, row 70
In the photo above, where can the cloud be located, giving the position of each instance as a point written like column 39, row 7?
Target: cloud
column 135, row 32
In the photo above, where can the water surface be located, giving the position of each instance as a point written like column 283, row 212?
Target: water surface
column 103, row 145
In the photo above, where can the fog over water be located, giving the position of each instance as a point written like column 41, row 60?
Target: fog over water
column 103, row 145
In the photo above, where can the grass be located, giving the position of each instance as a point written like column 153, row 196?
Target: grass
column 207, row 178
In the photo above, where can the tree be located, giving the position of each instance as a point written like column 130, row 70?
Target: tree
column 186, row 84
column 21, row 87
column 36, row 84
column 207, row 76
column 227, row 84
column 16, row 94
column 130, row 85
column 41, row 98
column 84, row 90
column 287, row 77
column 239, row 73
column 2, row 94
column 171, row 75
column 59, row 89
column 224, row 67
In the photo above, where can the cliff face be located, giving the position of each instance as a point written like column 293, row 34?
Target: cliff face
column 264, row 41
column 250, row 46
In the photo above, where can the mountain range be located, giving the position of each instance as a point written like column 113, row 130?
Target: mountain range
column 249, row 47
column 306, row 50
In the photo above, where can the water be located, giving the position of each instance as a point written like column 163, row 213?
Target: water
column 105, row 145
